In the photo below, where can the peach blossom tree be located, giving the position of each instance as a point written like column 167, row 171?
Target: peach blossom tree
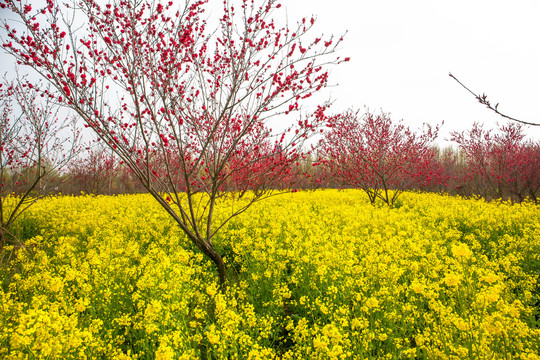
column 197, row 112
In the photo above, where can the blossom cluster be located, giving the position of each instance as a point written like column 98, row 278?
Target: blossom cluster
column 312, row 275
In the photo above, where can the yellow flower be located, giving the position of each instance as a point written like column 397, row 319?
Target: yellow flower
column 212, row 335
column 81, row 305
column 417, row 287
column 320, row 342
column 164, row 352
column 372, row 303
column 490, row 278
column 461, row 250
column 211, row 290
column 452, row 279
column 56, row 284
column 461, row 324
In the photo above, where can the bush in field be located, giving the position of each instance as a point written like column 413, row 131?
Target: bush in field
column 373, row 153
column 35, row 144
column 194, row 107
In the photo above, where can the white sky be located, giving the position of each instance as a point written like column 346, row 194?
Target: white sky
column 402, row 51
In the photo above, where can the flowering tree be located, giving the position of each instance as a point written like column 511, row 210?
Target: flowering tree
column 34, row 147
column 524, row 177
column 188, row 110
column 501, row 163
column 372, row 153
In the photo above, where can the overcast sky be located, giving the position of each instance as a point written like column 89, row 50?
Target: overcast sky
column 402, row 51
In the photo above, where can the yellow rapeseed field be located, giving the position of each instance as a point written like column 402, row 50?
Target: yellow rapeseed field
column 313, row 275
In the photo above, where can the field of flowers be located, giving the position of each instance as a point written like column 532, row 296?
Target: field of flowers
column 313, row 275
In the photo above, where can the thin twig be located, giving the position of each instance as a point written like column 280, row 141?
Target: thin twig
column 483, row 100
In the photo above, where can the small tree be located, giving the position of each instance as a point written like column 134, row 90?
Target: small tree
column 35, row 144
column 187, row 110
column 372, row 153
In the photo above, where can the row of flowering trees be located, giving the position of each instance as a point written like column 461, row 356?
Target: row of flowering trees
column 376, row 154
column 368, row 151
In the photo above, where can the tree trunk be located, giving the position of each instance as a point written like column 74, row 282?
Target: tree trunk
column 209, row 251
column 2, row 239
column 222, row 271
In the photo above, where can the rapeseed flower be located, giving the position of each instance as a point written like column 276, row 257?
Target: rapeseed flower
column 313, row 275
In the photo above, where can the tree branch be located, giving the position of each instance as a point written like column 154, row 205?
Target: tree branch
column 482, row 99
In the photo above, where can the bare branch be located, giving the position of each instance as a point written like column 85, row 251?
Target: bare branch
column 482, row 99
